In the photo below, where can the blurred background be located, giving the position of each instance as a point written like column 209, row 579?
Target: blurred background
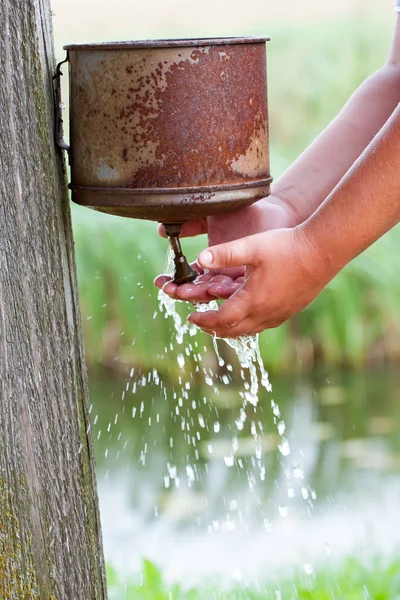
column 167, row 492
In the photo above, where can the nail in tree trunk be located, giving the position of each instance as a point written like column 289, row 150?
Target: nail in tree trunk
column 50, row 539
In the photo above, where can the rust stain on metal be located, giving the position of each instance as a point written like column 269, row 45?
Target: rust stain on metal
column 211, row 112
column 155, row 119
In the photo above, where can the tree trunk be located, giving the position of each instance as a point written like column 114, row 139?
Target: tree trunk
column 50, row 539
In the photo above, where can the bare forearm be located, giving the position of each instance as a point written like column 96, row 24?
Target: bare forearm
column 365, row 204
column 320, row 168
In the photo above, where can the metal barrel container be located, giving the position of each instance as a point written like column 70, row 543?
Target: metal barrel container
column 169, row 130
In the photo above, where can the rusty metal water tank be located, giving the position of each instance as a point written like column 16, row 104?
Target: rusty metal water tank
column 168, row 130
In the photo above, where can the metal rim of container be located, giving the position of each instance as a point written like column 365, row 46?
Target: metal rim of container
column 204, row 189
column 173, row 43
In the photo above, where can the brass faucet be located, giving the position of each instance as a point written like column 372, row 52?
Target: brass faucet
column 183, row 272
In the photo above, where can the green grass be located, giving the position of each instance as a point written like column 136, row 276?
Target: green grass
column 355, row 322
column 351, row 580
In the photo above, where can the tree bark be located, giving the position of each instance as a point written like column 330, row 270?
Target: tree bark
column 50, row 538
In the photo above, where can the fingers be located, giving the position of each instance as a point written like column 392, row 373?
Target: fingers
column 207, row 287
column 239, row 253
column 224, row 289
column 246, row 327
column 194, row 292
column 161, row 280
column 189, row 229
column 198, row 290
column 231, row 314
column 191, row 292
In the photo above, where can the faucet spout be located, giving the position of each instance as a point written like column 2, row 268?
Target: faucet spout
column 183, row 272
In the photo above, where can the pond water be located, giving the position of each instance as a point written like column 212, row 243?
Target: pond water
column 188, row 483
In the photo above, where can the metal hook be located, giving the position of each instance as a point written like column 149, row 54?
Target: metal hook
column 59, row 128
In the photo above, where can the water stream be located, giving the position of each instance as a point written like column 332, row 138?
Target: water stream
column 252, row 373
column 199, row 475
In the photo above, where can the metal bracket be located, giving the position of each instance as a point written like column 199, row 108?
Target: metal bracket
column 59, row 128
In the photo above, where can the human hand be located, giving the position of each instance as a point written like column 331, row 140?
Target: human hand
column 284, row 273
column 266, row 214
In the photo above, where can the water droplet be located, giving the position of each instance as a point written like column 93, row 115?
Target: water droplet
column 276, row 411
column 172, row 471
column 229, row 460
column 308, row 569
column 283, row 510
column 267, row 525
column 281, row 427
column 239, row 424
column 304, row 493
column 235, row 444
column 284, row 447
column 298, row 472
column 190, row 473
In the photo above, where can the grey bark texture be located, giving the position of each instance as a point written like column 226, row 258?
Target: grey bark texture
column 50, row 538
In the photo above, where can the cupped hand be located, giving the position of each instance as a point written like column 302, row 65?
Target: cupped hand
column 283, row 274
column 269, row 213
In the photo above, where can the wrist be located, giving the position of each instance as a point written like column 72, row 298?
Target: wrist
column 291, row 216
column 292, row 201
column 322, row 265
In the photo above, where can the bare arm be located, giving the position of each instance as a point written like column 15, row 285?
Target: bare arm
column 314, row 175
column 364, row 206
column 287, row 268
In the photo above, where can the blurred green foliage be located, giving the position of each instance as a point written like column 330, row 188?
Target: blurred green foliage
column 312, row 72
column 351, row 580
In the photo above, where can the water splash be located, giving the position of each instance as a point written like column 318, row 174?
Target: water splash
column 245, row 453
column 167, row 306
column 253, row 373
column 248, row 352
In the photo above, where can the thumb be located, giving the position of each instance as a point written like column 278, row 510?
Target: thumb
column 238, row 253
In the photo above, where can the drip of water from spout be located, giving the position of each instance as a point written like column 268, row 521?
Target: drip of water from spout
column 168, row 305
column 247, row 349
column 254, row 376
